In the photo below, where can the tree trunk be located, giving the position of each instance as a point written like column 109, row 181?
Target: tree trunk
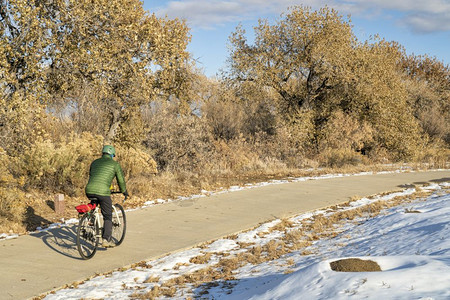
column 114, row 124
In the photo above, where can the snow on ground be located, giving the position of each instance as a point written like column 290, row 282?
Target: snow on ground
column 8, row 236
column 412, row 249
column 410, row 242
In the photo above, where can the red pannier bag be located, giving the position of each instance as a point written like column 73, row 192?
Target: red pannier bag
column 84, row 208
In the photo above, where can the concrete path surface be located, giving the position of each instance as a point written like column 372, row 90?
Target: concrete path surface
column 34, row 264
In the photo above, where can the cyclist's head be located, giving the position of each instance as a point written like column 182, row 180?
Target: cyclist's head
column 108, row 149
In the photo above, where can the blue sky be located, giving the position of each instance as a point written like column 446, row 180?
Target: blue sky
column 422, row 27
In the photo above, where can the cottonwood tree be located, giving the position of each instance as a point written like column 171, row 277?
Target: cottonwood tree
column 379, row 96
column 301, row 57
column 316, row 66
column 110, row 56
column 24, row 45
column 429, row 94
column 124, row 55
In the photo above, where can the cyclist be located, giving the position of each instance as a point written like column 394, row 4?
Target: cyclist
column 101, row 174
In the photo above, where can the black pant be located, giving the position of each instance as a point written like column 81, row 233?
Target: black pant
column 106, row 208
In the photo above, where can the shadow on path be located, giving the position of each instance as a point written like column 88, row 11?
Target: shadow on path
column 33, row 221
column 62, row 240
column 440, row 180
column 420, row 183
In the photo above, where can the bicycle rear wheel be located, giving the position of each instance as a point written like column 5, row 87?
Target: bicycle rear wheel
column 87, row 236
column 119, row 225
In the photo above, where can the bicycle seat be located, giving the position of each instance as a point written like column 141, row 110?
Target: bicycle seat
column 94, row 200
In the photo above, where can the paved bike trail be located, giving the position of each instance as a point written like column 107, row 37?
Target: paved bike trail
column 34, row 264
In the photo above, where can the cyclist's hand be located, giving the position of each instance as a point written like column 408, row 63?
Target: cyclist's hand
column 126, row 196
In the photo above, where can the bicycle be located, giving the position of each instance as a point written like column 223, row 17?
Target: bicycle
column 90, row 227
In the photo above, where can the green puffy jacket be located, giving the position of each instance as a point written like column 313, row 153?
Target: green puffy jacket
column 101, row 175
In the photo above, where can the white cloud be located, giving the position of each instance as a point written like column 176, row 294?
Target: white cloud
column 425, row 22
column 204, row 13
column 430, row 6
column 418, row 16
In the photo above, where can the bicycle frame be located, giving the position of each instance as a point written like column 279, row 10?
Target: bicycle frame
column 116, row 213
column 90, row 231
column 99, row 218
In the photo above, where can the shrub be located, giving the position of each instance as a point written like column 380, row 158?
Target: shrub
column 233, row 156
column 178, row 142
column 135, row 162
column 260, row 117
column 12, row 203
column 337, row 158
column 434, row 123
column 229, row 119
column 62, row 166
column 301, row 131
column 225, row 117
column 436, row 156
column 343, row 131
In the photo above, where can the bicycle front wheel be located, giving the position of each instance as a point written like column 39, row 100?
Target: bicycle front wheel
column 88, row 235
column 119, row 224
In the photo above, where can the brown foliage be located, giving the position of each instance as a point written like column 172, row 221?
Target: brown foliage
column 293, row 56
column 178, row 142
column 313, row 63
column 429, row 94
column 344, row 131
column 201, row 259
column 12, row 199
column 112, row 54
column 62, row 166
column 226, row 118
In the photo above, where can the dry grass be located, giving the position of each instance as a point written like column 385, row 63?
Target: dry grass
column 285, row 223
column 152, row 279
column 142, row 264
column 201, row 259
column 154, row 293
column 179, row 265
column 244, row 245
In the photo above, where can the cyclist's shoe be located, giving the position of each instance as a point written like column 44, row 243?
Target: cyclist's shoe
column 108, row 244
